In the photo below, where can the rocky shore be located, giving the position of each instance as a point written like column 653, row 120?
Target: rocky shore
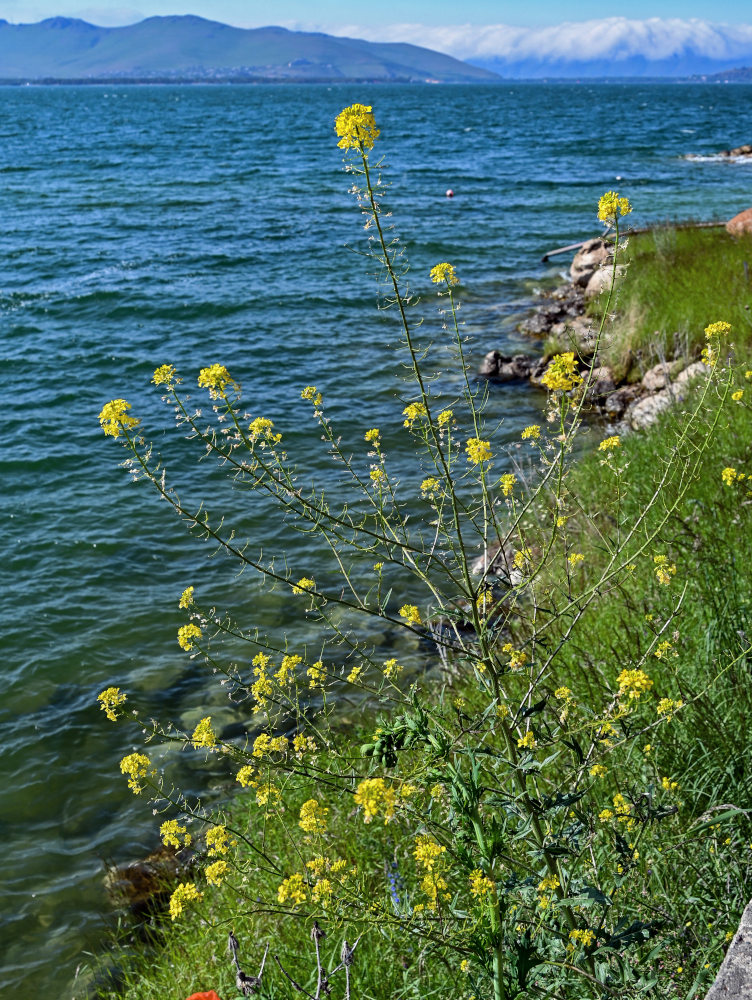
column 624, row 405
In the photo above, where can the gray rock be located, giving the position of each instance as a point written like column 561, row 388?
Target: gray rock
column 646, row 411
column 691, row 371
column 599, row 282
column 587, row 260
column 505, row 368
column 734, row 979
column 490, row 364
column 618, row 401
column 662, row 374
column 578, row 334
column 601, row 384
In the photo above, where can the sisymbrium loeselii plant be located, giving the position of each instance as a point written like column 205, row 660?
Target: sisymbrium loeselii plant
column 497, row 819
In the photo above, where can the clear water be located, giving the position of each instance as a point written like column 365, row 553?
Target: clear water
column 200, row 224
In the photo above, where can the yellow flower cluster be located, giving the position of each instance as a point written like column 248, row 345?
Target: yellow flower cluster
column 110, row 700
column 661, row 649
column 374, row 796
column 262, row 687
column 531, row 433
column 266, row 744
column 562, row 693
column 413, row 412
column 410, row 614
column 302, row 744
column 286, row 672
column 575, row 558
column 669, row 785
column 292, row 890
column 585, row 938
column 507, row 482
column 430, row 857
column 114, row 417
column 517, row 657
column 623, row 811
column 316, row 674
column 373, row 437
column 313, row 817
column 186, row 635
column 135, row 765
column 477, row 451
column 304, row 584
column 598, row 771
column 429, row 488
column 611, row 206
column 547, row 885
column 184, row 894
column 480, row 884
column 562, row 374
column 664, row 570
column 311, row 393
column 186, row 598
column 354, row 676
column 731, row 476
column 215, row 378
column 378, row 476
column 528, row 741
column 356, row 127
column 203, row 735
column 392, row 669
column 174, row 835
column 667, row 707
column 217, row 840
column 165, row 375
column 444, row 272
column 216, row 872
column 713, row 334
column 633, row 683
column 263, row 428
column 444, row 417
column 607, row 444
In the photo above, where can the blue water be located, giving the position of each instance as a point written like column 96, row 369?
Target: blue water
column 143, row 225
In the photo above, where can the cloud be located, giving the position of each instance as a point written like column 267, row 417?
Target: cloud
column 612, row 38
column 109, row 17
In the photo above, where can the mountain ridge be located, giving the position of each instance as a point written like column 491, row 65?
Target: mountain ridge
column 192, row 47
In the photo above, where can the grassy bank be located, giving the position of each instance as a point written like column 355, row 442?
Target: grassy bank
column 677, row 753
column 675, row 279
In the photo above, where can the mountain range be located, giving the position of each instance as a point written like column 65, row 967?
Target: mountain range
column 189, row 47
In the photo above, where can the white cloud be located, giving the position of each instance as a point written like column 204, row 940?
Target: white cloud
column 612, row 38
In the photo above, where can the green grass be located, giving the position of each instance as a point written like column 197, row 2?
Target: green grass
column 678, row 280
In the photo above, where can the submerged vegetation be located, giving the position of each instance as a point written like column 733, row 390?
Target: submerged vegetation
column 560, row 810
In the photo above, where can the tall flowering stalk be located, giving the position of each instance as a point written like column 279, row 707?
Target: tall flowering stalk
column 519, row 850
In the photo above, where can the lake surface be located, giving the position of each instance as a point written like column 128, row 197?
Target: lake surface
column 200, row 224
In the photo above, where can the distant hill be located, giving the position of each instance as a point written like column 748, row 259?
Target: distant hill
column 188, row 47
column 742, row 74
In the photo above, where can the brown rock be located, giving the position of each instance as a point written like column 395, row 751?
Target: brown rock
column 741, row 223
column 662, row 374
column 618, row 401
column 587, row 260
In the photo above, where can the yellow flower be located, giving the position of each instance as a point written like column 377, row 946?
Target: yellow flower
column 392, row 669
column 507, row 482
column 531, row 432
column 477, row 451
column 667, row 707
column 316, row 674
column 374, row 796
column 165, row 375
column 605, row 815
column 517, row 657
column 216, row 872
column 292, row 890
column 428, row 854
column 562, row 693
column 575, row 558
column 303, row 744
column 245, row 775
column 286, row 672
column 321, row 893
column 444, row 272
column 378, row 476
column 217, row 840
column 413, row 412
column 480, row 884
column 304, row 584
column 719, row 329
column 111, row 699
column 356, row 127
column 171, row 833
column 313, row 817
column 444, row 417
column 114, row 417
column 664, row 570
column 528, row 741
column 634, row 683
column 186, row 598
column 262, row 427
column 354, row 676
column 266, row 744
column 215, row 378
column 464, row 966
column 729, row 476
column 737, row 396
column 662, row 648
column 135, row 765
column 203, row 735
column 186, row 635
column 611, row 206
column 548, row 883
column 598, row 771
column 185, row 893
column 429, row 488
column 562, row 373
column 373, row 437
column 311, row 392
column 410, row 613
column 610, row 442
column 585, row 938
column 668, row 785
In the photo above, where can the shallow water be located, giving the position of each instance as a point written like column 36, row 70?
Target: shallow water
column 202, row 224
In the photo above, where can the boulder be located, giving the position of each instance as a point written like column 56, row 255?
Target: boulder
column 601, row 384
column 741, row 223
column 646, row 411
column 662, row 374
column 691, row 371
column 505, row 368
column 734, row 979
column 490, row 364
column 578, row 334
column 616, row 404
column 587, row 260
column 599, row 282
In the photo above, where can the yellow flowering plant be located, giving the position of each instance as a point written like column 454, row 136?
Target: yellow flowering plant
column 514, row 842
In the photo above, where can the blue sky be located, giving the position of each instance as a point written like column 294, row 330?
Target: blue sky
column 329, row 14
